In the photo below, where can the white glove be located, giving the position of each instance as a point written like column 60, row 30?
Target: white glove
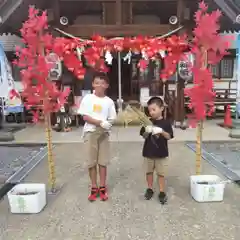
column 156, row 130
column 149, row 129
column 106, row 125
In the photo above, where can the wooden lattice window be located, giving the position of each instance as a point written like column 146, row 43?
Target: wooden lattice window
column 224, row 69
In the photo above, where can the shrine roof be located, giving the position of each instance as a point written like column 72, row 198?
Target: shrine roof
column 14, row 12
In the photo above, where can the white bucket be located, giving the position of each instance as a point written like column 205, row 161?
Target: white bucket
column 32, row 198
column 207, row 188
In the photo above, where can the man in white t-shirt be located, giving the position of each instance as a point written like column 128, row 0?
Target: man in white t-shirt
column 98, row 112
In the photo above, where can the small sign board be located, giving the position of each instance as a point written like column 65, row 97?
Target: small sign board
column 185, row 65
column 56, row 70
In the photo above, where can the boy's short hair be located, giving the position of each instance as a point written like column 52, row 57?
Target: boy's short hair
column 102, row 76
column 156, row 100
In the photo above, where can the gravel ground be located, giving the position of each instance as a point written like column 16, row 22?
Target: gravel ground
column 69, row 215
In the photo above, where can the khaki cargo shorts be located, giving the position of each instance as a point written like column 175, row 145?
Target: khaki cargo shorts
column 97, row 148
column 160, row 165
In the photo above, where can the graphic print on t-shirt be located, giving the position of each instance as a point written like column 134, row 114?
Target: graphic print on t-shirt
column 97, row 108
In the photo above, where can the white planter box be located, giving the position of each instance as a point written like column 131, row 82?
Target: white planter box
column 211, row 191
column 33, row 202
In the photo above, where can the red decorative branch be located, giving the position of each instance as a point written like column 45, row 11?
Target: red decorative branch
column 38, row 91
column 208, row 47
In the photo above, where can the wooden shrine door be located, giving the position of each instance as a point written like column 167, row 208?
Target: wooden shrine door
column 149, row 78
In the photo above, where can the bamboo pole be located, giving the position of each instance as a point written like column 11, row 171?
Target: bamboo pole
column 51, row 165
column 200, row 130
column 48, row 131
column 199, row 148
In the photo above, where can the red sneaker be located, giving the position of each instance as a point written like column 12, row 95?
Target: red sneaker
column 94, row 194
column 103, row 193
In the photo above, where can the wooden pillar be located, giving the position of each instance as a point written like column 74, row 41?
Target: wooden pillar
column 127, row 17
column 180, row 8
column 56, row 12
column 180, row 99
column 118, row 12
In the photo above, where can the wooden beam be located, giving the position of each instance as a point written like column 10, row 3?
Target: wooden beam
column 56, row 6
column 115, row 0
column 180, row 9
column 115, row 31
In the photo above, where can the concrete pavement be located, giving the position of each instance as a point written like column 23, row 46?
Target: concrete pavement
column 212, row 132
column 69, row 216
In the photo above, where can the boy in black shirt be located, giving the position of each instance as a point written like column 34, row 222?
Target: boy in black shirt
column 155, row 149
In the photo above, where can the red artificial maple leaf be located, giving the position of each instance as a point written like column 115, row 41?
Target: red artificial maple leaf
column 94, row 50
